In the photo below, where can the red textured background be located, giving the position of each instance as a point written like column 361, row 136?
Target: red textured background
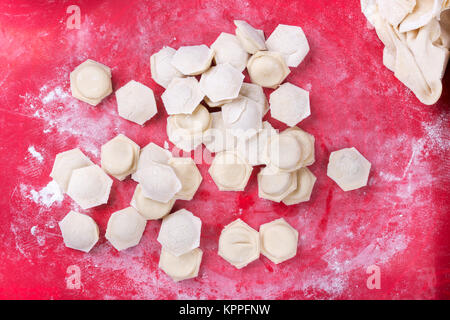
column 399, row 222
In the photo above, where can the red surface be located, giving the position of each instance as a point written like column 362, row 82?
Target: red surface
column 399, row 222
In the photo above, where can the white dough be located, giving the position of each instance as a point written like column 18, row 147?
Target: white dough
column 91, row 82
column 306, row 142
column 217, row 138
column 183, row 95
column 152, row 153
column 158, row 182
column 278, row 240
column 305, row 183
column 242, row 117
column 275, row 186
column 267, row 68
column 228, row 49
column 255, row 92
column 283, row 153
column 229, row 171
column 193, row 60
column 125, row 228
column 136, row 102
column 119, row 156
column 79, row 231
column 348, row 168
column 239, row 244
column 291, row 42
column 180, row 232
column 252, row 149
column 89, row 186
column 185, row 266
column 148, row 208
column 221, row 82
column 289, row 104
column 189, row 175
column 65, row 163
column 161, row 67
column 251, row 39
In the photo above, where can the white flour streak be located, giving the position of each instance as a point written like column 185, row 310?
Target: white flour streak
column 47, row 196
column 35, row 154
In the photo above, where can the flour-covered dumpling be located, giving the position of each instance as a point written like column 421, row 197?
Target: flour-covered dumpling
column 181, row 267
column 283, row 152
column 150, row 154
column 183, row 95
column 305, row 183
column 89, row 186
column 278, row 240
column 186, row 131
column 291, row 42
column 79, row 231
column 239, row 244
column 306, row 141
column 267, row 68
column 252, row 149
column 125, row 228
column 221, row 82
column 158, row 182
column 65, row 163
column 252, row 40
column 180, row 232
column 193, row 60
column 217, row 104
column 242, row 117
column 348, row 168
column 217, row 138
column 119, row 157
column 136, row 102
column 228, row 49
column 275, row 185
column 229, row 171
column 419, row 15
column 289, row 104
column 161, row 67
column 189, row 175
column 91, row 82
column 148, row 208
column 256, row 93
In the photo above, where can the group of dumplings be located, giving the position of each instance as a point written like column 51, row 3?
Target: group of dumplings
column 236, row 135
column 416, row 36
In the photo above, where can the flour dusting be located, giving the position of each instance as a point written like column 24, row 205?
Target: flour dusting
column 35, row 154
column 47, row 196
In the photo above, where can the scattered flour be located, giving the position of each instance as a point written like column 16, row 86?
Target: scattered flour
column 47, row 196
column 35, row 154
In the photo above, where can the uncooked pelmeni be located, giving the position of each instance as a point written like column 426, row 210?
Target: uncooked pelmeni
column 283, row 152
column 150, row 154
column 186, row 131
column 89, row 186
column 289, row 104
column 229, row 171
column 91, row 82
column 189, row 175
column 306, row 142
column 65, row 163
column 305, row 183
column 161, row 67
column 182, row 267
column 348, row 168
column 239, row 244
column 136, row 102
column 395, row 11
column 267, row 68
column 217, row 104
column 125, row 228
column 221, row 82
column 228, row 49
column 252, row 149
column 79, row 231
column 242, row 117
column 278, row 240
column 158, row 182
column 180, row 232
column 119, row 156
column 148, row 208
column 291, row 42
column 275, row 186
column 421, row 14
column 193, row 60
column 256, row 93
column 252, row 40
column 182, row 95
column 217, row 138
